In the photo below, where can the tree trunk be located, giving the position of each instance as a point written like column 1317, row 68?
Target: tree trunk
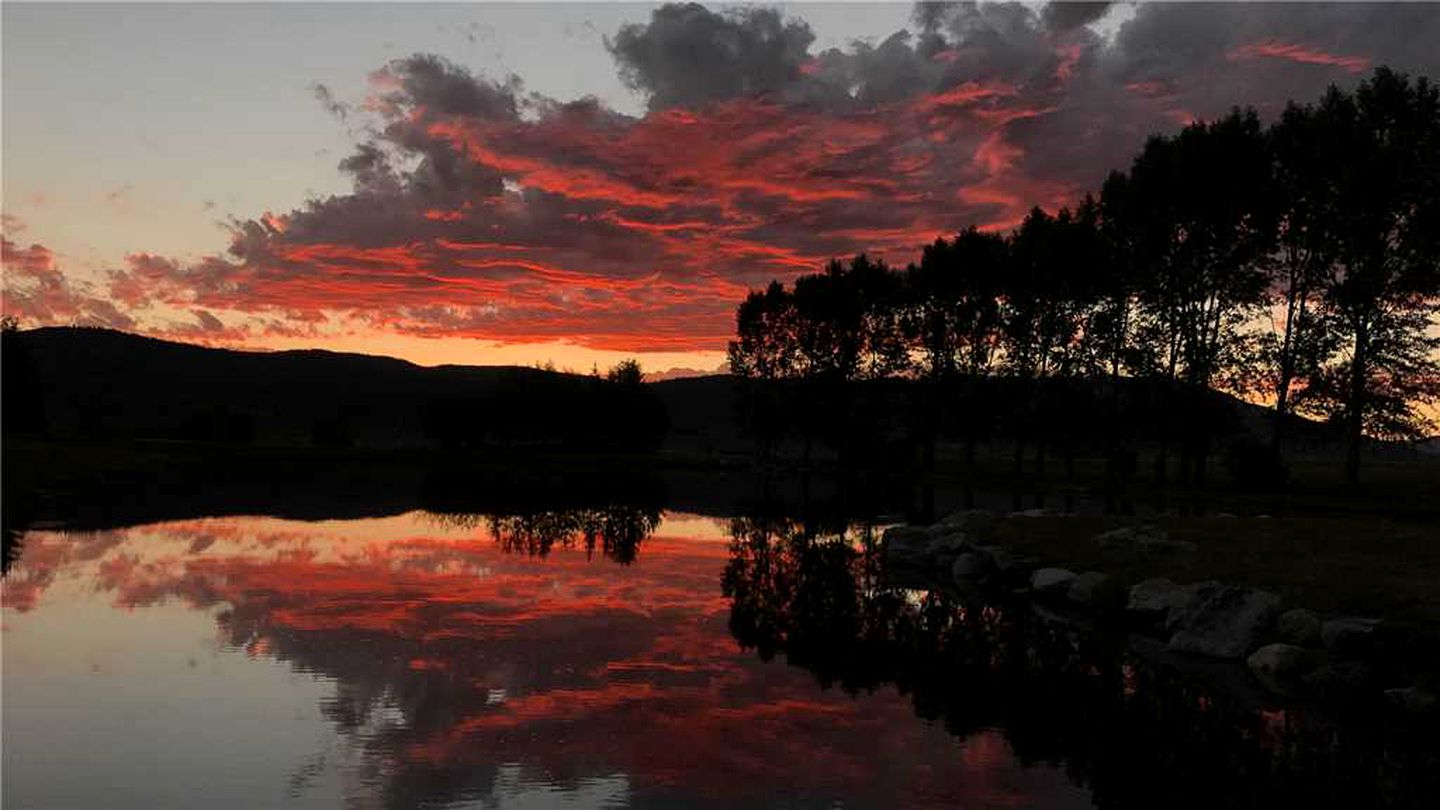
column 1294, row 311
column 1355, row 417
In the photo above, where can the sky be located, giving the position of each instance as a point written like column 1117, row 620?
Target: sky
column 578, row 183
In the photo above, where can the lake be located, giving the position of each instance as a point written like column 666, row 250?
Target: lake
column 606, row 657
column 417, row 661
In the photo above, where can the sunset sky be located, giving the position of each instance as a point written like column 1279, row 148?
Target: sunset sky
column 581, row 182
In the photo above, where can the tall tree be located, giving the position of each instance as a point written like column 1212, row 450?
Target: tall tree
column 765, row 352
column 952, row 305
column 1204, row 212
column 1382, row 154
column 1296, row 344
column 1114, row 276
column 765, row 345
column 848, row 321
column 952, row 318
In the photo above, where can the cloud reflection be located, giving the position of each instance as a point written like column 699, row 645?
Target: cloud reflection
column 460, row 671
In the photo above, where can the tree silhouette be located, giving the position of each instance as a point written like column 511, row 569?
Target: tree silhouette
column 1329, row 221
column 1382, row 182
column 1293, row 349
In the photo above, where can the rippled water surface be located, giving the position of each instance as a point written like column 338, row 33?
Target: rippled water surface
column 425, row 661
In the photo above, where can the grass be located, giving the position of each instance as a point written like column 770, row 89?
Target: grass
column 1368, row 566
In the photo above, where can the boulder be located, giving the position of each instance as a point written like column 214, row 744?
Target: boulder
column 967, row 519
column 972, row 566
column 1349, row 637
column 1276, row 662
column 1300, row 627
column 1052, row 581
column 1127, row 536
column 907, row 546
column 1192, row 597
column 1088, row 588
column 950, row 541
column 906, row 535
column 1223, row 621
column 1152, row 600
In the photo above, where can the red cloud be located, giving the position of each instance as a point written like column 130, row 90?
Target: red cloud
column 620, row 240
column 1297, row 52
column 37, row 292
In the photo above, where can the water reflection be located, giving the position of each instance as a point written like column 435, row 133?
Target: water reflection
column 412, row 661
column 445, row 659
column 617, row 529
column 1135, row 733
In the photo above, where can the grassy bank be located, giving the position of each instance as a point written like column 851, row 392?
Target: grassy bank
column 1368, row 566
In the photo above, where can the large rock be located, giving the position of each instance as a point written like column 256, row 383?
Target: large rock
column 951, row 541
column 1300, row 627
column 1128, row 536
column 1223, row 621
column 1192, row 599
column 972, row 567
column 1277, row 662
column 906, row 536
column 1350, row 637
column 907, row 546
column 1052, row 581
column 1088, row 589
column 967, row 519
column 1152, row 600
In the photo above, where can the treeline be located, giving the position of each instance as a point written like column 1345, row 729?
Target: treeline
column 1297, row 263
column 611, row 413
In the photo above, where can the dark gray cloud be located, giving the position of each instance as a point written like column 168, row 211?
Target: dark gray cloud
column 688, row 54
column 1068, row 16
column 440, row 86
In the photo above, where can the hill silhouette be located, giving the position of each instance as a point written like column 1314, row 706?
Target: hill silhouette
column 98, row 383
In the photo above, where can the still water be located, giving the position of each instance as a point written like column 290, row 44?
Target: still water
column 616, row 659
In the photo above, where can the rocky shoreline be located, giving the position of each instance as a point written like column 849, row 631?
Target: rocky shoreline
column 1218, row 630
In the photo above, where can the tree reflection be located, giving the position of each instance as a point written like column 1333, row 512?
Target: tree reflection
column 617, row 530
column 1136, row 733
column 817, row 598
